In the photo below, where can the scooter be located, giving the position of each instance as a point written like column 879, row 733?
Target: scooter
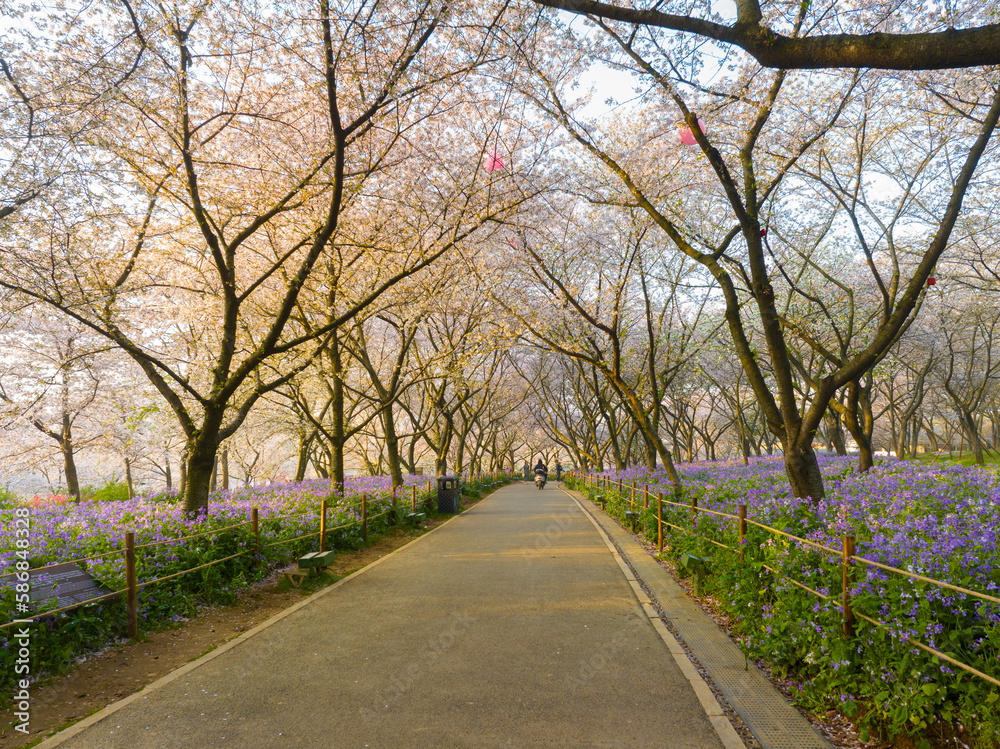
column 540, row 480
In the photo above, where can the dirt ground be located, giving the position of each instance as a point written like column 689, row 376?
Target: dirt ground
column 120, row 670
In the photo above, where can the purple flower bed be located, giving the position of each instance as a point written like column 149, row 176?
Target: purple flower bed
column 935, row 520
column 61, row 532
column 938, row 521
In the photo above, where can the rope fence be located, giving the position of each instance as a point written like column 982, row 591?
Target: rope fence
column 846, row 555
column 192, row 569
column 132, row 586
column 213, row 532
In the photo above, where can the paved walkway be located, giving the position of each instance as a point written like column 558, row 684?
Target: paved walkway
column 510, row 626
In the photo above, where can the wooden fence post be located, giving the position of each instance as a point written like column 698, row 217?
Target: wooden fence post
column 645, row 496
column 848, row 546
column 364, row 518
column 131, row 605
column 743, row 528
column 322, row 526
column 694, row 509
column 413, row 498
column 659, row 520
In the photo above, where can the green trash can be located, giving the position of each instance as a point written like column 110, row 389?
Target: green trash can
column 449, row 493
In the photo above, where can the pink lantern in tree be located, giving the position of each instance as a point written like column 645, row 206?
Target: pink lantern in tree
column 686, row 137
column 494, row 162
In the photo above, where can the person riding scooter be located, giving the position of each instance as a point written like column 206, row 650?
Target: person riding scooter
column 541, row 474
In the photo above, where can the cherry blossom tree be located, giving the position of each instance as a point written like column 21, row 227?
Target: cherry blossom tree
column 43, row 112
column 764, row 125
column 905, row 35
column 52, row 378
column 242, row 148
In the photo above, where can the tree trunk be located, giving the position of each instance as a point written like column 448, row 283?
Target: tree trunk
column 444, row 443
column 337, row 409
column 975, row 443
column 835, row 431
column 392, row 447
column 642, row 421
column 460, row 454
column 932, row 436
column 182, row 489
column 72, row 481
column 201, row 451
column 321, row 466
column 858, row 430
column 200, row 472
column 166, row 470
column 303, row 459
column 900, row 440
column 803, row 471
column 742, row 434
column 609, row 420
column 225, row 468
column 650, row 454
column 412, row 455
column 69, row 459
column 668, row 464
column 866, row 458
column 128, row 478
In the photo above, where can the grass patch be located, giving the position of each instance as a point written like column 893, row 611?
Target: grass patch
column 964, row 458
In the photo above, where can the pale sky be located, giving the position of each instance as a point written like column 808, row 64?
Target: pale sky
column 620, row 86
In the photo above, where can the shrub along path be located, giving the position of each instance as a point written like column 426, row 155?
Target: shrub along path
column 512, row 625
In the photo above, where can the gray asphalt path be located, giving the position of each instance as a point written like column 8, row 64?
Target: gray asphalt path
column 511, row 626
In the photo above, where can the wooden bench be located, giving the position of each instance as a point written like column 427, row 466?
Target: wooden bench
column 295, row 576
column 416, row 518
column 310, row 564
